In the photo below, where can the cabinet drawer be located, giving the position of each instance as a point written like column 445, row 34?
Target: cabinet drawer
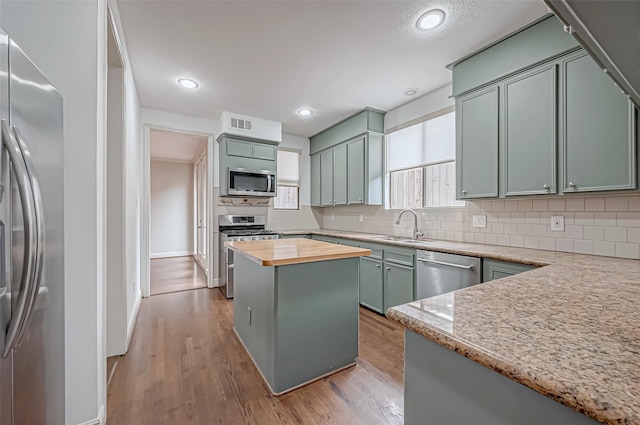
column 400, row 256
column 264, row 152
column 349, row 242
column 239, row 148
column 376, row 250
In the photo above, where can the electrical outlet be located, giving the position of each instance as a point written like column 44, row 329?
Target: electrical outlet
column 557, row 223
column 333, row 217
column 479, row 221
column 361, row 218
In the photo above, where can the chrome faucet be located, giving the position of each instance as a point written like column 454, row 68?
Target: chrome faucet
column 416, row 232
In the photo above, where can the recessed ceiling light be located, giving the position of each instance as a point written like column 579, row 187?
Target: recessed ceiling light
column 411, row 92
column 188, row 83
column 305, row 112
column 430, row 20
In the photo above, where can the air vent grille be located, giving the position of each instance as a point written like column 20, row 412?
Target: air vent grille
column 240, row 124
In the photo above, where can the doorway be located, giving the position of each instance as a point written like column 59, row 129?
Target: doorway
column 177, row 237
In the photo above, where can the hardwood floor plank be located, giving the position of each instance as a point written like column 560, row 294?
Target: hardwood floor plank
column 168, row 275
column 185, row 366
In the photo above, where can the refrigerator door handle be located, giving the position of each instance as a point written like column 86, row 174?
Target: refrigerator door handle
column 38, row 251
column 28, row 216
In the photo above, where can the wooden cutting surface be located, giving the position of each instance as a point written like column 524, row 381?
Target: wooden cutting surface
column 282, row 252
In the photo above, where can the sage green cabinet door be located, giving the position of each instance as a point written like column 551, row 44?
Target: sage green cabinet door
column 599, row 145
column 371, row 283
column 477, row 144
column 239, row 148
column 315, row 180
column 398, row 285
column 356, row 176
column 326, row 178
column 264, row 151
column 530, row 132
column 340, row 175
column 492, row 269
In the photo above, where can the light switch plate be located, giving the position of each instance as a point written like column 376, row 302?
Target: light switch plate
column 361, row 218
column 557, row 223
column 479, row 221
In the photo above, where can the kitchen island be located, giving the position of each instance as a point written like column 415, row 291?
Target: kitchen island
column 296, row 308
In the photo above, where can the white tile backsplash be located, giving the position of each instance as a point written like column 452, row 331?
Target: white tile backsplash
column 607, row 226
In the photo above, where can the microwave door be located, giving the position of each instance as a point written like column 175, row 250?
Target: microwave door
column 250, row 183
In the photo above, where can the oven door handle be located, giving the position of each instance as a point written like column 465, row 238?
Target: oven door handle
column 231, row 266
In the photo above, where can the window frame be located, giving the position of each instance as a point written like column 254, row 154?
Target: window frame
column 299, row 153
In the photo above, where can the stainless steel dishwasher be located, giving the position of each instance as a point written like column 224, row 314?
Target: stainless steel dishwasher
column 439, row 273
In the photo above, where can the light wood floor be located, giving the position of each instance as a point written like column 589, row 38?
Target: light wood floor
column 186, row 366
column 175, row 274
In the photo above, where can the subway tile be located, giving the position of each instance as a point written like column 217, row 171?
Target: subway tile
column 633, row 235
column 594, row 204
column 524, row 229
column 569, row 217
column 607, row 249
column 594, row 233
column 634, row 203
column 581, row 246
column 564, row 245
column 511, row 205
column 441, row 234
column 480, row 238
column 557, row 205
column 525, row 205
column 628, row 219
column 510, row 228
column 573, row 232
column 617, row 204
column 531, row 242
column 492, row 217
column 497, row 206
column 459, row 237
column 517, row 241
column 627, row 250
column 504, row 240
column 450, row 236
column 504, row 217
column 540, row 205
column 585, row 218
column 486, row 206
column 539, row 229
column 548, row 244
column 491, row 239
column 532, row 217
column 605, row 219
column 497, row 228
column 575, row 204
column 474, row 206
column 615, row 234
column 545, row 217
column 517, row 217
column 469, row 237
column 456, row 226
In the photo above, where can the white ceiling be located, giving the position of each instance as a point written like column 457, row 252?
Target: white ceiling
column 269, row 58
column 172, row 145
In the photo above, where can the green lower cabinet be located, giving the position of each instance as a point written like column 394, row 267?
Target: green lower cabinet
column 398, row 285
column 305, row 236
column 492, row 269
column 371, row 283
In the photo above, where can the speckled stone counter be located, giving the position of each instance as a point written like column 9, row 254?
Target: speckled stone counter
column 569, row 330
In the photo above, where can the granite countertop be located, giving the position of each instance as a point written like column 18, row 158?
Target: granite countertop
column 569, row 330
column 282, row 252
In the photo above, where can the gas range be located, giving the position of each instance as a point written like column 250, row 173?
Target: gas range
column 249, row 235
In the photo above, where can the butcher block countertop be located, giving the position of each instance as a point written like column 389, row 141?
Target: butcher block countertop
column 569, row 329
column 283, row 252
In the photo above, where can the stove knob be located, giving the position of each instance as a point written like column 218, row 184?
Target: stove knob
column 255, row 238
column 241, row 239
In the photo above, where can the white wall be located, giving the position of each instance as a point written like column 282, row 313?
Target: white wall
column 424, row 105
column 66, row 39
column 171, row 209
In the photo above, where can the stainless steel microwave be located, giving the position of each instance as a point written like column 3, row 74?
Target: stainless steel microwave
column 244, row 182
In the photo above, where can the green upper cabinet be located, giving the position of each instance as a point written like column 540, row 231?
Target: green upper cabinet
column 530, row 128
column 477, row 118
column 239, row 148
column 356, row 171
column 599, row 129
column 326, row 178
column 262, row 151
column 315, row 180
column 340, row 175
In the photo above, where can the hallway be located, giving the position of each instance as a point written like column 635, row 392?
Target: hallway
column 186, row 366
column 176, row 274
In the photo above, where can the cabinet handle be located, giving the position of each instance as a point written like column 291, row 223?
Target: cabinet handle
column 378, row 265
column 546, row 186
column 464, row 192
column 387, row 268
column 572, row 184
column 359, row 199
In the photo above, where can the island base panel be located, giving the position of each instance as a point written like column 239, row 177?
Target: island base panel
column 298, row 322
column 442, row 386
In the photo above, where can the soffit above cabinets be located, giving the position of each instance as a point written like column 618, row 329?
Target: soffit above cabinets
column 268, row 59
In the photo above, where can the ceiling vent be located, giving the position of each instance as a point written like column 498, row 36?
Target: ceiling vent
column 240, row 124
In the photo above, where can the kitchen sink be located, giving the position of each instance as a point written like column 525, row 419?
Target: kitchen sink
column 403, row 239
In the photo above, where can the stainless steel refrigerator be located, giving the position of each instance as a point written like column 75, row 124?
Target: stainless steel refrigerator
column 31, row 238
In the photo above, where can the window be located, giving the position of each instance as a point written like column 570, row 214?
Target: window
column 288, row 185
column 420, row 165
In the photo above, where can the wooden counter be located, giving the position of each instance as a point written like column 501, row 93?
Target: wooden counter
column 296, row 308
column 282, row 252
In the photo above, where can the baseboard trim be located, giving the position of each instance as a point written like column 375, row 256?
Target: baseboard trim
column 100, row 420
column 133, row 319
column 216, row 282
column 171, row 254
